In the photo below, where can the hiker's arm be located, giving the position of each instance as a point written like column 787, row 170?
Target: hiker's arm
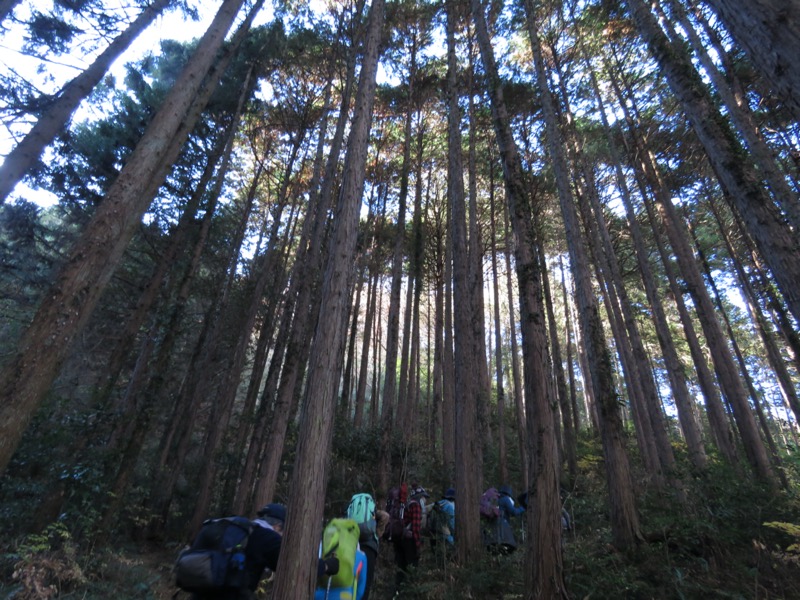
column 382, row 520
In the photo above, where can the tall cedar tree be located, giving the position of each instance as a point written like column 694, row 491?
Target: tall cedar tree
column 544, row 566
column 77, row 288
column 295, row 573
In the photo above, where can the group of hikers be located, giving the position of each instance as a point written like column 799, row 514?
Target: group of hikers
column 230, row 556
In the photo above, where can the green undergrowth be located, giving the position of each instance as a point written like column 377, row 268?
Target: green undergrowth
column 724, row 536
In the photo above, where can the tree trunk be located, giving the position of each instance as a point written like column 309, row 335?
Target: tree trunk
column 304, row 294
column 645, row 168
column 776, row 361
column 416, row 273
column 516, row 375
column 624, row 518
column 573, row 392
column 776, row 242
column 742, row 117
column 391, row 400
column 401, row 414
column 729, row 378
column 448, row 358
column 295, row 573
column 166, row 261
column 544, row 562
column 569, row 445
column 498, row 338
column 176, row 441
column 475, row 274
column 467, row 439
column 769, row 31
column 347, row 404
column 748, row 380
column 55, row 117
column 78, row 286
column 363, row 370
column 680, row 391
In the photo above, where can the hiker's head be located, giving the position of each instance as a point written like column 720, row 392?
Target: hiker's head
column 274, row 514
column 450, row 494
column 419, row 492
column 505, row 490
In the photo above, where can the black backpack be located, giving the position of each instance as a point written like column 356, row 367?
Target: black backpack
column 216, row 559
column 437, row 521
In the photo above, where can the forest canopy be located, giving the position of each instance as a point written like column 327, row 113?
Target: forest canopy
column 326, row 247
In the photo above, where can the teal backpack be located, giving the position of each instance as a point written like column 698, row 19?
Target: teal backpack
column 362, row 510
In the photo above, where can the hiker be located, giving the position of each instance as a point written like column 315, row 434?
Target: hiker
column 408, row 544
column 442, row 519
column 506, row 504
column 340, row 540
column 261, row 546
column 371, row 523
column 496, row 531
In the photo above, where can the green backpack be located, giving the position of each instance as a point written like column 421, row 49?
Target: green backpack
column 340, row 539
column 362, row 510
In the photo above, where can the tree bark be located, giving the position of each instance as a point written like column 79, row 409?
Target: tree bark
column 624, row 517
column 25, row 154
column 776, row 242
column 769, row 31
column 516, row 375
column 94, row 258
column 295, row 573
column 467, row 439
column 391, row 401
column 544, row 576
column 498, row 338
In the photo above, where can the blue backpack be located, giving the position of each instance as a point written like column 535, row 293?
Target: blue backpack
column 216, row 559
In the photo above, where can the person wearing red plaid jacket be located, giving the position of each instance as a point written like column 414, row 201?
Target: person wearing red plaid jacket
column 407, row 548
